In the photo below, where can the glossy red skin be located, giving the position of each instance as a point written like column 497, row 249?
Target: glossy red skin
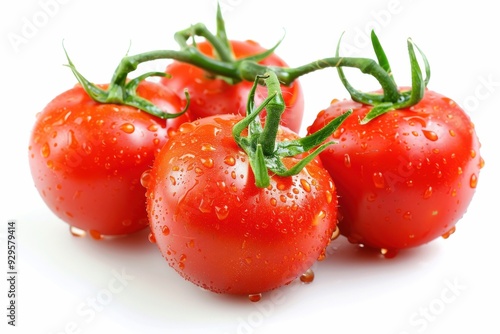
column 406, row 177
column 221, row 232
column 211, row 96
column 87, row 166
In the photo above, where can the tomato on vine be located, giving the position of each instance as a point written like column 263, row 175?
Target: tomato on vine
column 406, row 172
column 89, row 147
column 240, row 208
column 214, row 94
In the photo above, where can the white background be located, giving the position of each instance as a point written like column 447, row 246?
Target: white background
column 446, row 286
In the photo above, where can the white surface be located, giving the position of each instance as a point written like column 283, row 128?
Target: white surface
column 446, row 286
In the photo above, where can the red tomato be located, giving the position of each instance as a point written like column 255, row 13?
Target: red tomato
column 406, row 177
column 87, row 158
column 214, row 96
column 217, row 229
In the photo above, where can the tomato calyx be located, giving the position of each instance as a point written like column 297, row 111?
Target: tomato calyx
column 383, row 103
column 264, row 152
column 123, row 91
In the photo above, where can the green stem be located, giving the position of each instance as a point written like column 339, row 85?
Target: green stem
column 264, row 152
column 274, row 108
column 236, row 70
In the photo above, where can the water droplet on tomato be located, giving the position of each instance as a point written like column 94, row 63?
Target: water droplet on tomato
column 207, row 147
column 452, row 133
column 255, row 297
column 45, row 150
column 388, row 253
column 165, row 230
column 153, row 127
column 329, row 196
column 173, row 181
column 187, row 127
column 431, row 135
column 127, row 127
column 72, row 141
column 151, row 238
column 447, row 234
column 307, row 277
column 222, row 212
column 146, row 178
column 95, row 235
column 76, row 232
column 378, row 180
column 472, row 154
column 481, row 163
column 473, row 181
column 335, row 233
column 337, row 133
column 127, row 222
column 347, row 160
column 229, row 160
column 305, row 185
column 205, row 206
column 207, row 162
column 322, row 255
column 428, row 192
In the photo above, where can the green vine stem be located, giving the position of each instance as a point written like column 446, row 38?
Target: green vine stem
column 236, row 70
column 261, row 145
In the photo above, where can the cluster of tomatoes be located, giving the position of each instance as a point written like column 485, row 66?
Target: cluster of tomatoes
column 400, row 180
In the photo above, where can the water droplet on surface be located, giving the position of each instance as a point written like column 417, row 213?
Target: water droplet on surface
column 378, row 180
column 153, row 127
column 165, row 230
column 146, row 178
column 407, row 215
column 322, row 255
column 127, row 127
column 473, row 181
column 481, row 163
column 222, row 212
column 472, row 154
column 447, row 234
column 173, row 181
column 347, row 160
column 207, row 162
column 329, row 196
column 388, row 253
column 205, row 206
column 335, row 233
column 72, row 141
column 428, row 192
column 45, row 150
column 187, row 127
column 431, row 135
column 305, row 185
column 307, row 277
column 76, row 232
column 151, row 238
column 206, row 147
column 229, row 160
column 95, row 235
column 255, row 297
